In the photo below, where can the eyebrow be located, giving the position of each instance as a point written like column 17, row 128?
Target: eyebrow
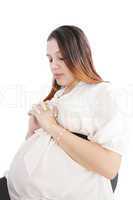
column 55, row 52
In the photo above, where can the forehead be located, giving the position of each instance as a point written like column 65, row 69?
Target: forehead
column 52, row 47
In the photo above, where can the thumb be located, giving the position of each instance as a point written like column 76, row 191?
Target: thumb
column 55, row 111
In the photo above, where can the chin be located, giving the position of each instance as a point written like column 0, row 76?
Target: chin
column 61, row 83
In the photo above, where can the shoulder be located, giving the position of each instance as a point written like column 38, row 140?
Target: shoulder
column 103, row 97
column 95, row 92
column 107, row 105
column 106, row 94
column 96, row 86
column 102, row 87
column 105, row 91
column 100, row 90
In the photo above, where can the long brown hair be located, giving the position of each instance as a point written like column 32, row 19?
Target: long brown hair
column 76, row 52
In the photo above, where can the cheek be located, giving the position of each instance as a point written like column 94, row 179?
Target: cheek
column 67, row 71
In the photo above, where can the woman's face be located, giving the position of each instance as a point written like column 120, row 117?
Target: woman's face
column 60, row 71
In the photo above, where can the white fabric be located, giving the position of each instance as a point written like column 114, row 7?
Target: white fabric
column 43, row 170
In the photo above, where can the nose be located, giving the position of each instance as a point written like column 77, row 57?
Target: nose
column 54, row 66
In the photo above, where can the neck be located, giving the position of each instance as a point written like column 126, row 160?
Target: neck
column 71, row 85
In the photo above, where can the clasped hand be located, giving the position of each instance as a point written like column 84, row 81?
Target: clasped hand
column 45, row 118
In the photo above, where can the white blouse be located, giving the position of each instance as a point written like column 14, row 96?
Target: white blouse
column 42, row 170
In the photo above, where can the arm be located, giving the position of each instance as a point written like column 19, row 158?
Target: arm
column 90, row 155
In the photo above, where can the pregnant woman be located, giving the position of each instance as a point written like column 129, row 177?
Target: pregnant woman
column 75, row 139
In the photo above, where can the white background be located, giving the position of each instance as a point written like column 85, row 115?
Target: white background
column 25, row 76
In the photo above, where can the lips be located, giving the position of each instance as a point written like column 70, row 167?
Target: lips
column 57, row 75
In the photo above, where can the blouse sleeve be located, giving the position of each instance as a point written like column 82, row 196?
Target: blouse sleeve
column 111, row 121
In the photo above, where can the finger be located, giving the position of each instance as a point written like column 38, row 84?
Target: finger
column 31, row 112
column 45, row 103
column 49, row 105
column 44, row 106
column 41, row 108
column 36, row 108
column 55, row 111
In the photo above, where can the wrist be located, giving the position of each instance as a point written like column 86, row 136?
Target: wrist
column 50, row 128
column 54, row 129
column 57, row 133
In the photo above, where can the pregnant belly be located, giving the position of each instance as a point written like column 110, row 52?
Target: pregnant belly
column 53, row 173
column 60, row 172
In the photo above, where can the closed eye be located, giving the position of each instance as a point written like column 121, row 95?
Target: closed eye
column 50, row 60
column 61, row 58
